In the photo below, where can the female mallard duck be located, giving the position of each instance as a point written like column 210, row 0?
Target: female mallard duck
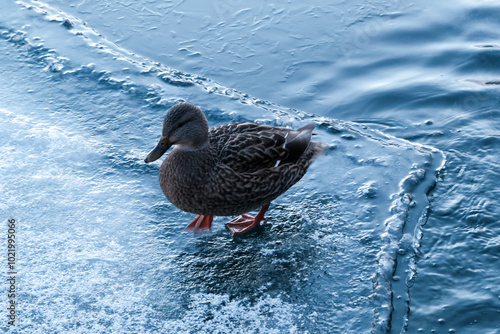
column 229, row 169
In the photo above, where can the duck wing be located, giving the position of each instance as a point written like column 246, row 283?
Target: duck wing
column 250, row 147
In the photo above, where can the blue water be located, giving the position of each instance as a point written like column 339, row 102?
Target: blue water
column 395, row 230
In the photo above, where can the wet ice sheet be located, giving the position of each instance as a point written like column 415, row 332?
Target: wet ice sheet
column 104, row 251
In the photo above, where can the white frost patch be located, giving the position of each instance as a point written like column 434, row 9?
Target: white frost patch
column 369, row 190
column 211, row 313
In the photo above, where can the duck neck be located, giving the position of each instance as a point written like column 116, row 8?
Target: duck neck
column 200, row 147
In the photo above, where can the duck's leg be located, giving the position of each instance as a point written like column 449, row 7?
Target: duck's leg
column 200, row 223
column 245, row 223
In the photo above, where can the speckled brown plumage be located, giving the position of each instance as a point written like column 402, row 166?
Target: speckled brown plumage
column 237, row 168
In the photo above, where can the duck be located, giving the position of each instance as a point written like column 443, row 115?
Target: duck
column 230, row 169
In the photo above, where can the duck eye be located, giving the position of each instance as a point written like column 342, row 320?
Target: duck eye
column 181, row 124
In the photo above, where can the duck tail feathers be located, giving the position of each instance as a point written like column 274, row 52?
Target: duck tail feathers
column 319, row 148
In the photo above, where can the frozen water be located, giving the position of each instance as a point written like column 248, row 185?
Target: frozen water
column 100, row 248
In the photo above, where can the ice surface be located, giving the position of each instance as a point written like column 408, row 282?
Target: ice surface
column 102, row 250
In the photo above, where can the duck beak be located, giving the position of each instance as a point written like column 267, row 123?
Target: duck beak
column 162, row 147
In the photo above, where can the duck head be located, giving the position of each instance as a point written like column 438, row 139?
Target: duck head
column 186, row 126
